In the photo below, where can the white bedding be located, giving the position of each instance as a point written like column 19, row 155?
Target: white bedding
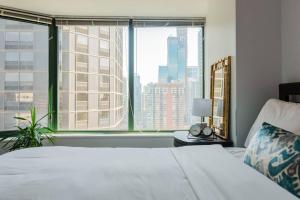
column 237, row 152
column 191, row 173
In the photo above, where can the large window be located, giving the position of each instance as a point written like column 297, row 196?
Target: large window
column 168, row 76
column 102, row 74
column 93, row 78
column 23, row 71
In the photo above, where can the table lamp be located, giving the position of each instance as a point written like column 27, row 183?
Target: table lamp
column 202, row 107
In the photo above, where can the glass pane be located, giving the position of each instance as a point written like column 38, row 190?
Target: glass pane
column 92, row 78
column 20, row 88
column 168, row 76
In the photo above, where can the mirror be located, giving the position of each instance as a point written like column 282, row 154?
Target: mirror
column 220, row 96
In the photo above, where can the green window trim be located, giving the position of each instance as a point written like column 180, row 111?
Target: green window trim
column 53, row 75
column 53, row 80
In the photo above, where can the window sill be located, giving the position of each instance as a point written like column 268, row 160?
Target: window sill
column 114, row 135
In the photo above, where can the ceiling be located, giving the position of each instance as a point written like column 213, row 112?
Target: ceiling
column 154, row 8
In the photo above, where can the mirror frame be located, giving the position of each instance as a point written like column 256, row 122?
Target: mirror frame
column 224, row 64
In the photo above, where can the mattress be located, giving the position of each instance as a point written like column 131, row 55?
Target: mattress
column 184, row 173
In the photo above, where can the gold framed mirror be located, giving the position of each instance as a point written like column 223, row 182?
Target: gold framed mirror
column 220, row 96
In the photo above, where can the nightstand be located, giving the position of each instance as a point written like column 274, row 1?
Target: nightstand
column 181, row 138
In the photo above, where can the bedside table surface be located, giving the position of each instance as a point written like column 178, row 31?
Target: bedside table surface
column 181, row 138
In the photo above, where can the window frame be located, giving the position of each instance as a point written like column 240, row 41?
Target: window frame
column 15, row 132
column 53, row 77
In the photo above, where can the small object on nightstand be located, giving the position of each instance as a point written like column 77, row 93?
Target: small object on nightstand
column 184, row 138
column 201, row 130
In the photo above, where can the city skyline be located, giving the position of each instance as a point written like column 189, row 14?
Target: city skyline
column 151, row 45
column 166, row 102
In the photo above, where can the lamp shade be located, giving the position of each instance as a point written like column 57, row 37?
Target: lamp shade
column 202, row 107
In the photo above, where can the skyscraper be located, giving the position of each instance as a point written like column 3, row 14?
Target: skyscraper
column 166, row 99
column 172, row 59
column 177, row 58
column 182, row 53
column 163, row 74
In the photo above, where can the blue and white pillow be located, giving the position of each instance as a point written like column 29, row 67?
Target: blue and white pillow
column 276, row 153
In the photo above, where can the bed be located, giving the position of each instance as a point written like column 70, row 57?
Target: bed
column 185, row 173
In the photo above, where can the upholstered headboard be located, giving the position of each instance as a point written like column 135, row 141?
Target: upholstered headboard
column 290, row 92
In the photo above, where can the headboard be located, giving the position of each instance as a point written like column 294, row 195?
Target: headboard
column 290, row 92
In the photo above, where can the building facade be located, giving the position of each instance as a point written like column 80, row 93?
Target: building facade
column 164, row 106
column 23, row 71
column 91, row 85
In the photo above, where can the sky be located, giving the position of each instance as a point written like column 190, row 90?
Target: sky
column 151, row 50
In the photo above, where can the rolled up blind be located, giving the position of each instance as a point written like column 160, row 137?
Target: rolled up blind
column 90, row 21
column 25, row 15
column 159, row 22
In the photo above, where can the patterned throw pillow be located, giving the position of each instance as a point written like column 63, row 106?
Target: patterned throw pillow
column 276, row 153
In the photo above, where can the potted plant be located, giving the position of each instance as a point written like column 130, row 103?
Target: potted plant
column 30, row 135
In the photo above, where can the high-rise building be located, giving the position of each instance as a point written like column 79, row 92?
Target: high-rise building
column 177, row 58
column 168, row 103
column 163, row 74
column 172, row 58
column 23, row 71
column 182, row 53
column 164, row 106
column 91, row 77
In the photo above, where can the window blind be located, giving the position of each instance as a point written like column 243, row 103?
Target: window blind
column 90, row 21
column 167, row 22
column 25, row 15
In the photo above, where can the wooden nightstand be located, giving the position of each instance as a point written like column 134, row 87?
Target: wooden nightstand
column 181, row 138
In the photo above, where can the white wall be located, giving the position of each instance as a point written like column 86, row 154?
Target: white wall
column 290, row 41
column 160, row 8
column 258, row 59
column 220, row 42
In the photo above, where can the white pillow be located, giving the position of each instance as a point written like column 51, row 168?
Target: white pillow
column 282, row 114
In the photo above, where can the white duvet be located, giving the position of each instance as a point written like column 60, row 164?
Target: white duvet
column 191, row 173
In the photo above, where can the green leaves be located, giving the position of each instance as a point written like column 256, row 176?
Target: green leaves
column 32, row 135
